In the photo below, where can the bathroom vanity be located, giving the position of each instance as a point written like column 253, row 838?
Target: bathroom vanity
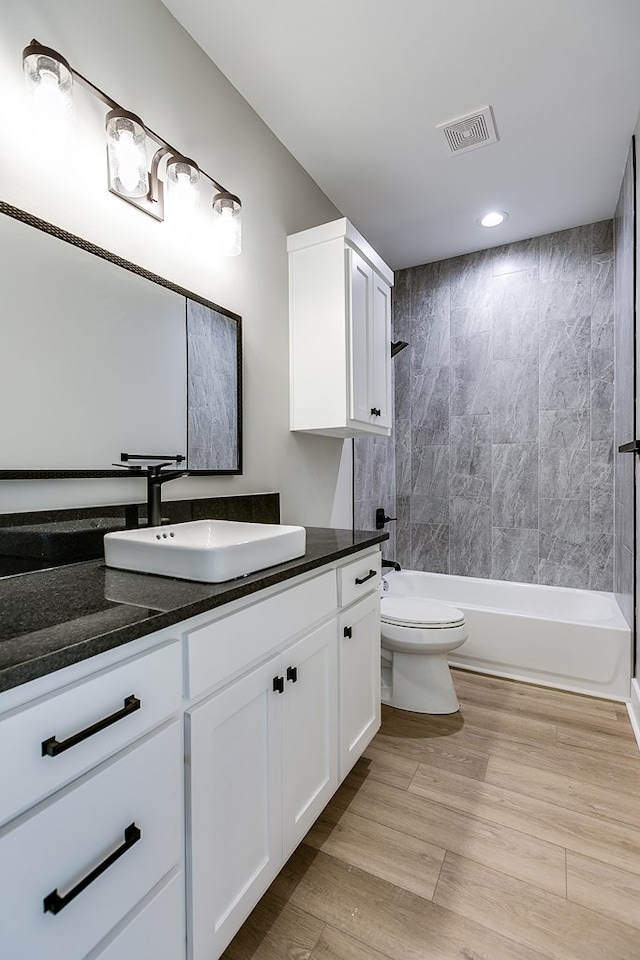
column 165, row 745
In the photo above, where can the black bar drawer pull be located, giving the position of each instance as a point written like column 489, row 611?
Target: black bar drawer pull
column 371, row 573
column 54, row 903
column 347, row 633
column 292, row 674
column 375, row 411
column 278, row 684
column 51, row 747
column 632, row 447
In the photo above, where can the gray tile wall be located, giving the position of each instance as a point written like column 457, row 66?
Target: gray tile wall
column 625, row 430
column 504, row 412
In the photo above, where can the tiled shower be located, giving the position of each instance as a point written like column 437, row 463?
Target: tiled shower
column 503, row 415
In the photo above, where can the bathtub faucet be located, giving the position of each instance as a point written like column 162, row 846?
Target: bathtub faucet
column 391, row 563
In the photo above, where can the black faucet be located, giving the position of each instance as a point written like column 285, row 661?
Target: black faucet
column 155, row 479
column 391, row 563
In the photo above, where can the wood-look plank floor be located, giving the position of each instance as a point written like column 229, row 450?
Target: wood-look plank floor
column 507, row 831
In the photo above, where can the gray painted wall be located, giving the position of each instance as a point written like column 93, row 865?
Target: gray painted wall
column 504, row 412
column 624, row 229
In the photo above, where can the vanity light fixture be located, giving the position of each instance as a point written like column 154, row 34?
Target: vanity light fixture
column 228, row 224
column 50, row 80
column 493, row 219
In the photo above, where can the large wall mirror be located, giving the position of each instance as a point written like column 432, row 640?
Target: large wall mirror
column 100, row 357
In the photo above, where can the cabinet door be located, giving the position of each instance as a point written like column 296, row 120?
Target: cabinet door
column 380, row 341
column 235, row 806
column 360, row 289
column 359, row 679
column 309, row 732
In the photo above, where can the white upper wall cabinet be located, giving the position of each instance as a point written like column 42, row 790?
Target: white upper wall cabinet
column 340, row 333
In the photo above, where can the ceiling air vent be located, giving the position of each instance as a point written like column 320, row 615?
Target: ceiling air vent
column 475, row 130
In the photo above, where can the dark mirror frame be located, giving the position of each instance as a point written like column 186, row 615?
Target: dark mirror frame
column 17, row 214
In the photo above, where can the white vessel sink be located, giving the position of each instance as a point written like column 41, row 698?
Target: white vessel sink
column 210, row 551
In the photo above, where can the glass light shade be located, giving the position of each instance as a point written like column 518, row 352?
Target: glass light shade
column 49, row 83
column 183, row 178
column 127, row 154
column 228, row 224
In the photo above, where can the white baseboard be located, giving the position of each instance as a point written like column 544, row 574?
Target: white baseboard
column 633, row 706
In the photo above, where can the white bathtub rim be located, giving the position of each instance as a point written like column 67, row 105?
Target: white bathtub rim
column 615, row 622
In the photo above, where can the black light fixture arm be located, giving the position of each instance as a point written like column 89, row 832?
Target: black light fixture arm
column 166, row 147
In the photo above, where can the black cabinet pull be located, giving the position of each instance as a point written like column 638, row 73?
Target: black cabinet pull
column 292, row 674
column 347, row 632
column 278, row 684
column 375, row 411
column 51, row 747
column 371, row 573
column 54, row 903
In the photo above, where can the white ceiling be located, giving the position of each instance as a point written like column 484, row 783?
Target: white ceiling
column 354, row 89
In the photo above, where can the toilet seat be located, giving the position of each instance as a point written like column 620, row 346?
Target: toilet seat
column 420, row 613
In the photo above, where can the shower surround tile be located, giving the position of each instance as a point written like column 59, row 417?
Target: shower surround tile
column 566, row 255
column 564, row 472
column 430, row 404
column 515, row 555
column 503, row 434
column 470, row 537
column 430, row 481
column 516, row 257
column 471, row 362
column 565, row 428
column 564, row 365
column 515, row 315
column 470, row 457
column 601, row 562
column 515, row 485
column 430, row 547
column 515, row 400
column 601, row 487
column 564, row 543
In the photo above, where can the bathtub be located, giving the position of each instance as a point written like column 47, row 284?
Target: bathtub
column 559, row 637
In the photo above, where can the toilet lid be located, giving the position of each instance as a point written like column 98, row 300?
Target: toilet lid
column 419, row 612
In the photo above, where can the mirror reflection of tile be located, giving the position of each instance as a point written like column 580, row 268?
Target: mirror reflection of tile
column 212, row 386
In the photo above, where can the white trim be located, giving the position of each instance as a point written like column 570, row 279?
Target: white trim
column 633, row 707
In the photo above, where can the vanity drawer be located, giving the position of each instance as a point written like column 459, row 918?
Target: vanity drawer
column 54, row 850
column 359, row 577
column 156, row 931
column 75, row 713
column 221, row 649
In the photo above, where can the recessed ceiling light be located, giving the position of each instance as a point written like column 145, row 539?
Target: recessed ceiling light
column 493, row 219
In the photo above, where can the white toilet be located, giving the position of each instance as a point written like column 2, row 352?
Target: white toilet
column 416, row 636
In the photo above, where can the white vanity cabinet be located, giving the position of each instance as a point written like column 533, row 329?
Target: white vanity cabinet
column 155, row 791
column 267, row 749
column 93, row 809
column 272, row 734
column 340, row 333
column 359, row 658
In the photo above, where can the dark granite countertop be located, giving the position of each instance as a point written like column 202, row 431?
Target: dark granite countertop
column 52, row 618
